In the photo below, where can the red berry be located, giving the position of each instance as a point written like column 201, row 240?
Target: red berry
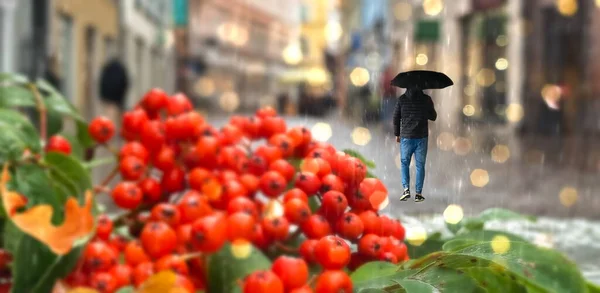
column 269, row 153
column 178, row 104
column 257, row 165
column 135, row 254
column 307, row 250
column 371, row 222
column 118, row 242
column 99, row 256
column 101, row 129
column 333, row 281
column 152, row 135
column 185, row 283
column 332, row 252
column 283, row 143
column 396, row 247
column 158, row 239
column 165, row 159
column 259, row 239
column 271, row 126
column 317, row 166
column 316, row 227
column 284, row 168
column 296, row 210
column 132, row 168
column 134, row 120
column 59, row 144
column 242, row 204
column 103, row 283
column 209, row 233
column 370, row 245
column 331, row 182
column 134, row 149
column 263, row 281
column 265, row 112
column 171, row 263
column 193, row 206
column 173, row 180
column 272, row 184
column 127, row 195
column 357, row 260
column 389, row 257
column 122, row 275
column 240, row 225
column 142, row 272
column 334, row 204
column 197, row 177
column 150, row 188
column 352, row 171
column 154, row 100
column 308, row 182
column 300, row 136
column 350, row 226
column 295, row 193
column 373, row 191
column 167, row 213
column 292, row 271
column 104, row 227
column 77, row 278
column 277, row 228
column 303, row 289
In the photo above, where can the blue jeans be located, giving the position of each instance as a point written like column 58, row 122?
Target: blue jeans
column 418, row 147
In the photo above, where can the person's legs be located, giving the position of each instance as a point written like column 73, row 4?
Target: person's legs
column 407, row 148
column 420, row 158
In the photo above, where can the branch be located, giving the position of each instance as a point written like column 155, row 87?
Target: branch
column 41, row 107
column 109, row 177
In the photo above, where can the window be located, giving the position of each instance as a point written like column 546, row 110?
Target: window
column 65, row 51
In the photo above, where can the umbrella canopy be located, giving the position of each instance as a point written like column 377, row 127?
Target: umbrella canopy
column 422, row 79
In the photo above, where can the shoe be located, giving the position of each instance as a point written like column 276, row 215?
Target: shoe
column 419, row 198
column 406, row 195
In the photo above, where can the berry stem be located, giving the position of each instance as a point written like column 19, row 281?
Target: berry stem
column 41, row 107
column 286, row 248
column 429, row 260
column 113, row 150
column 192, row 255
column 109, row 177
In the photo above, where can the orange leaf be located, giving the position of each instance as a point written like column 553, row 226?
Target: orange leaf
column 36, row 221
column 159, row 283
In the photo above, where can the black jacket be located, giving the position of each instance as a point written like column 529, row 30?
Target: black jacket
column 413, row 109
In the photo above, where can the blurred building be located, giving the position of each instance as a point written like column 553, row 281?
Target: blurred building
column 83, row 36
column 241, row 44
column 15, row 35
column 147, row 46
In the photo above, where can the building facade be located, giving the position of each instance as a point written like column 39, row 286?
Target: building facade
column 15, row 35
column 241, row 45
column 147, row 46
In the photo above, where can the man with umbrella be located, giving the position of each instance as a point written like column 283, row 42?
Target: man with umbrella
column 411, row 126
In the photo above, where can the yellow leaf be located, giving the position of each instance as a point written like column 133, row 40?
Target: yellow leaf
column 36, row 221
column 82, row 290
column 159, row 283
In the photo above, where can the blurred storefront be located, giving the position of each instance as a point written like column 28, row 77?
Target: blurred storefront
column 241, row 44
column 15, row 35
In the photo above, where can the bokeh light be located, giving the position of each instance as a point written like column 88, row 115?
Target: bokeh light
column 567, row 7
column 333, row 31
column 502, row 41
column 500, row 153
column 321, row 131
column 416, row 235
column 292, row 54
column 359, row 76
column 500, row 244
column 273, row 209
column 544, row 240
column 462, row 146
column 469, row 110
column 403, row 11
column 229, row 101
column 422, row 59
column 433, row 7
column 514, row 112
column 568, row 196
column 205, row 86
column 486, row 77
column 445, row 141
column 361, row 136
column 241, row 248
column 480, row 178
column 453, row 214
column 501, row 64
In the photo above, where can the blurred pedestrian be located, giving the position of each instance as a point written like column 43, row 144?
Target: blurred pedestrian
column 114, row 83
column 411, row 127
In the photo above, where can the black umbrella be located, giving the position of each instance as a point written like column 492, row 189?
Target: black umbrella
column 422, row 79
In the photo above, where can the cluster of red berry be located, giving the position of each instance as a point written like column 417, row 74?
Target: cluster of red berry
column 192, row 187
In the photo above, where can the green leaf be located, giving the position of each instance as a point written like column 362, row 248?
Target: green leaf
column 372, row 270
column 18, row 134
column 56, row 102
column 33, row 182
column 16, row 96
column 69, row 172
column 83, row 135
column 11, row 236
column 296, row 162
column 13, row 78
column 439, row 279
column 314, row 203
column 432, row 244
column 36, row 268
column 359, row 156
column 54, row 122
column 474, row 237
column 224, row 269
column 494, row 281
column 593, row 288
column 99, row 162
column 127, row 289
column 370, row 175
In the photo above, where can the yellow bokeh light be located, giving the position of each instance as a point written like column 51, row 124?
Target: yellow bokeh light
column 384, row 203
column 274, row 209
column 480, row 178
column 445, row 141
column 469, row 91
column 500, row 244
column 568, row 196
column 403, row 11
column 469, row 110
column 433, row 7
column 321, row 131
column 241, row 249
column 422, row 59
column 567, row 7
column 359, row 76
column 416, row 235
column 486, row 77
column 333, row 31
column 361, row 136
column 501, row 64
column 502, row 41
column 500, row 153
column 229, row 101
column 514, row 112
column 205, row 86
column 317, row 76
column 462, row 146
column 292, row 54
column 598, row 3
column 453, row 214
